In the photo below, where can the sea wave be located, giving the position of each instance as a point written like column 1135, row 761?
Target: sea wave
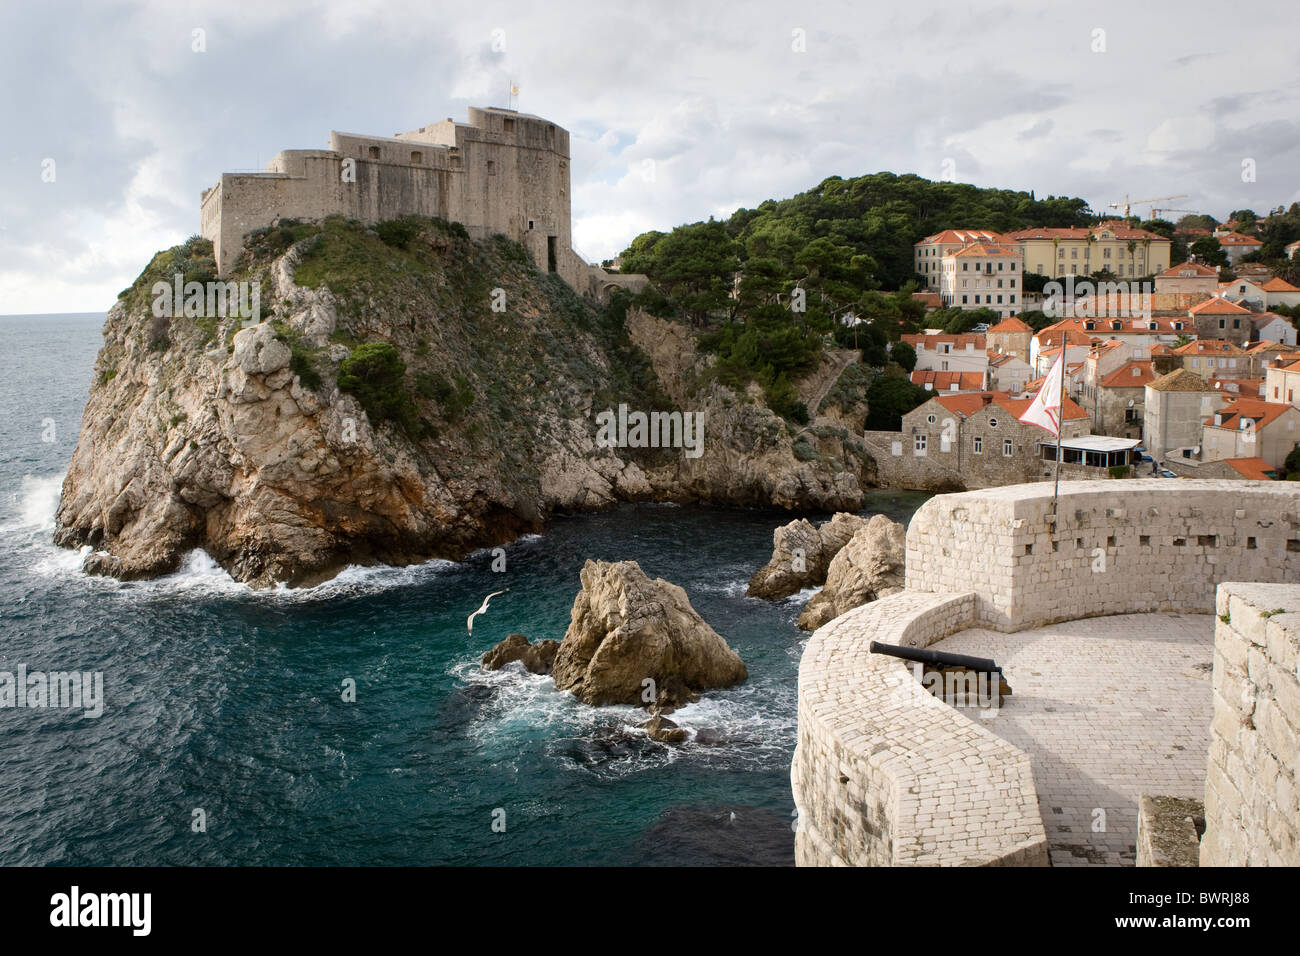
column 29, row 526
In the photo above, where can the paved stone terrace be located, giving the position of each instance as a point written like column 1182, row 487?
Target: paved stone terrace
column 1106, row 708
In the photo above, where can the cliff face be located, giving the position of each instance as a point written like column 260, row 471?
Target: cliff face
column 408, row 394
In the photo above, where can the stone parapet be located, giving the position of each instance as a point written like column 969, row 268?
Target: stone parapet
column 883, row 773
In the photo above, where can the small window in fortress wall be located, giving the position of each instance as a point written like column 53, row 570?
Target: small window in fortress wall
column 373, row 152
column 492, row 167
column 417, row 158
column 1207, row 540
column 1250, row 544
column 1144, row 540
column 510, row 125
column 1292, row 544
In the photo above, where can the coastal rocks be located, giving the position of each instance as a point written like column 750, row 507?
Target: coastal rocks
column 244, row 443
column 631, row 636
column 664, row 730
column 802, row 554
column 537, row 658
column 868, row 567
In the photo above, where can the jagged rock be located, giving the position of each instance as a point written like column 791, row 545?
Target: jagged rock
column 241, row 442
column 537, row 658
column 626, row 627
column 783, row 575
column 868, row 567
column 662, row 729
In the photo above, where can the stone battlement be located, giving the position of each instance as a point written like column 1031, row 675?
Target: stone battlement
column 502, row 172
column 884, row 776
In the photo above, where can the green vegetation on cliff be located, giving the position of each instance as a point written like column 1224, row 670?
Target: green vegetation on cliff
column 764, row 287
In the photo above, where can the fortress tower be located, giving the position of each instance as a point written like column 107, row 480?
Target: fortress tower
column 502, row 172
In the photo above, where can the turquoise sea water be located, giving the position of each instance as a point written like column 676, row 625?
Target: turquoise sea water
column 229, row 701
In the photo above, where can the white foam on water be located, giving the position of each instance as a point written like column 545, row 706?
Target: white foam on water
column 36, row 502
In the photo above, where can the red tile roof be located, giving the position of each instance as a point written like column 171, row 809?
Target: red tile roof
column 961, row 236
column 1237, row 239
column 945, row 381
column 1209, row 346
column 1278, row 285
column 1260, row 412
column 1119, row 229
column 1176, row 272
column 969, row 403
column 989, row 251
column 1256, row 469
column 1129, row 375
column 1217, row 305
column 1011, row 325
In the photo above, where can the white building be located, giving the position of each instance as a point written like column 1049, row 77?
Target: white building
column 983, row 276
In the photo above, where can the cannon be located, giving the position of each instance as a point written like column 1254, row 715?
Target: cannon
column 942, row 663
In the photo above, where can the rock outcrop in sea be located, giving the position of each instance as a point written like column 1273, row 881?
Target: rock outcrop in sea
column 868, row 567
column 409, row 394
column 537, row 658
column 802, row 554
column 626, row 630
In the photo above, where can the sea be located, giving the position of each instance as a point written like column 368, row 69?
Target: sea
column 350, row 723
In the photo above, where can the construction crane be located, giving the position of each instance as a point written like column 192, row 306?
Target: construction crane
column 1139, row 202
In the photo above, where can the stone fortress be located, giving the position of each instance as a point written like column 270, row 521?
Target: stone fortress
column 1151, row 642
column 502, row 172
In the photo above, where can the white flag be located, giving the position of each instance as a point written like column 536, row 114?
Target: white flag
column 1045, row 410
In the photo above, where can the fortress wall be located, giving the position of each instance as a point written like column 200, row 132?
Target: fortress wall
column 1132, row 547
column 885, row 774
column 1252, row 796
column 497, row 174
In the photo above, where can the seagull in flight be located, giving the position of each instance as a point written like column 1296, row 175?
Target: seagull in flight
column 469, row 621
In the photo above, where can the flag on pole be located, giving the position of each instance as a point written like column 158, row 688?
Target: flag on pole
column 1045, row 410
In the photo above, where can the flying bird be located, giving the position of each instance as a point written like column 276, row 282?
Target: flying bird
column 469, row 621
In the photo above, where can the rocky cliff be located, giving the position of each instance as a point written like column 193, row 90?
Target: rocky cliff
column 408, row 393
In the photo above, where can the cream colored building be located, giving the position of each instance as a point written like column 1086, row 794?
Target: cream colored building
column 1282, row 383
column 929, row 253
column 1249, row 428
column 1116, row 247
column 983, row 276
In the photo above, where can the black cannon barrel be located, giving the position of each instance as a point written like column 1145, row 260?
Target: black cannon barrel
column 936, row 658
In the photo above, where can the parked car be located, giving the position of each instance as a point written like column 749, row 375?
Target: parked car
column 1166, row 473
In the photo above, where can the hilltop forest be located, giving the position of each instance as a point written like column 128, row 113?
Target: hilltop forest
column 804, row 262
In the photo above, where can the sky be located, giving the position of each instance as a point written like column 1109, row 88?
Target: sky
column 117, row 115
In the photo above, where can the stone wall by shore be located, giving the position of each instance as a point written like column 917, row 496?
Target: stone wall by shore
column 885, row 774
column 1123, row 547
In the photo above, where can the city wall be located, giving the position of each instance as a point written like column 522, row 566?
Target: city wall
column 883, row 775
column 1252, row 796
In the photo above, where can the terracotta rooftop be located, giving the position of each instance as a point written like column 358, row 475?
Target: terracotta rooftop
column 1129, row 375
column 962, row 236
column 1217, row 305
column 989, row 251
column 949, row 381
column 1209, row 346
column 1195, row 268
column 1278, row 285
column 1011, row 325
column 969, row 403
column 1256, row 469
column 1237, row 239
column 1260, row 412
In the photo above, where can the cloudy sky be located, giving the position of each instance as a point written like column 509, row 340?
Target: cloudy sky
column 727, row 104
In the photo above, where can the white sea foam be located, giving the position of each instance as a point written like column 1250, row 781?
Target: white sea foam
column 35, row 503
column 30, row 523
